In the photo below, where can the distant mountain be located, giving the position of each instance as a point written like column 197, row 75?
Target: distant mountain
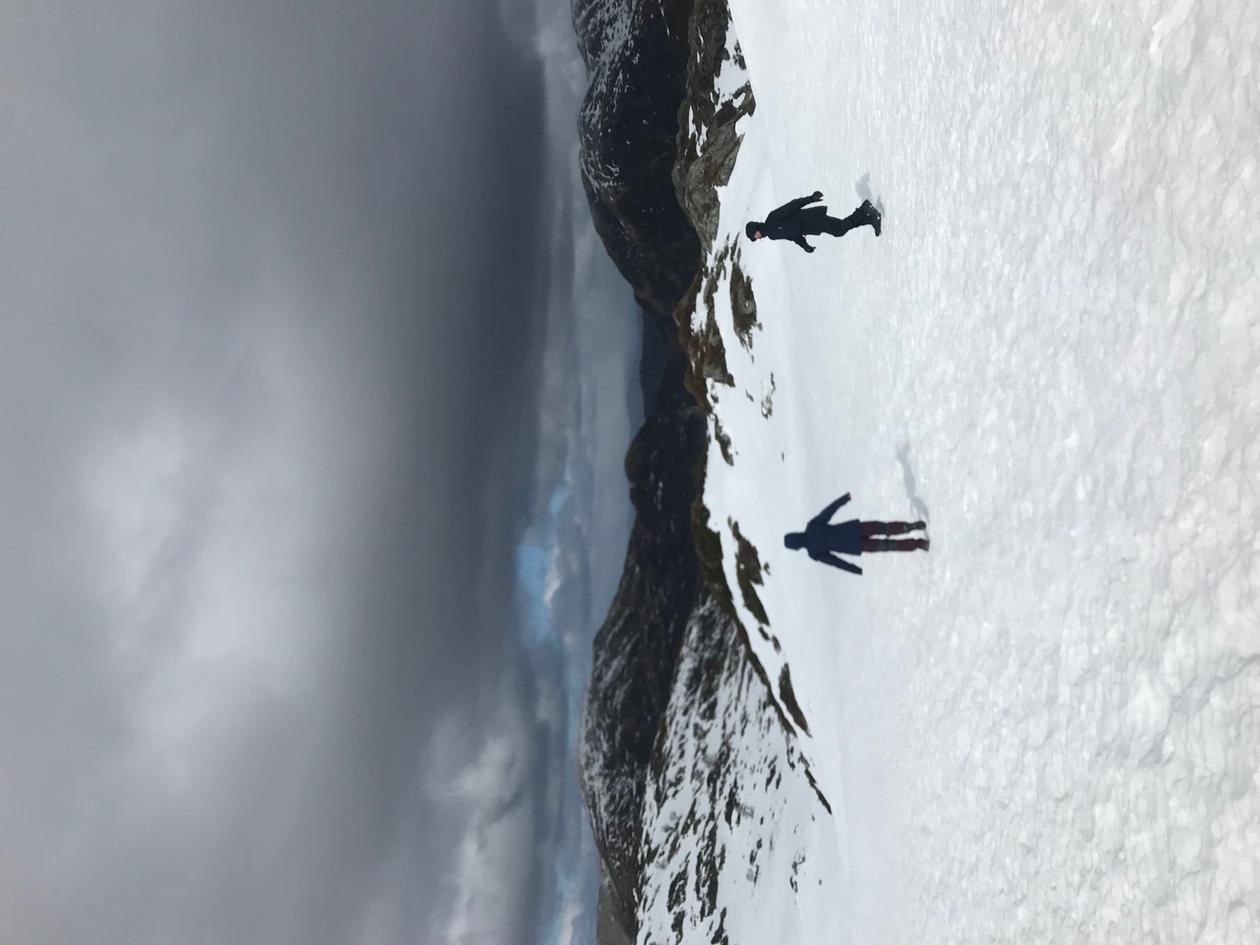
column 636, row 54
column 656, row 140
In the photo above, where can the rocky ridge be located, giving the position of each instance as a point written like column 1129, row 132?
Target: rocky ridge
column 659, row 135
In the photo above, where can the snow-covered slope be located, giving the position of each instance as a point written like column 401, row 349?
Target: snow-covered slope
column 734, row 833
column 1047, row 729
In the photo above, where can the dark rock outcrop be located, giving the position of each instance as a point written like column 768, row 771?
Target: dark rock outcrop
column 636, row 650
column 705, row 161
column 636, row 53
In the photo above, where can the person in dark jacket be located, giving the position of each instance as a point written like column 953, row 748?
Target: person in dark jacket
column 825, row 542
column 796, row 220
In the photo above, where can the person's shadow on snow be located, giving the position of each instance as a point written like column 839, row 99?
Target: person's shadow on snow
column 863, row 188
column 912, row 487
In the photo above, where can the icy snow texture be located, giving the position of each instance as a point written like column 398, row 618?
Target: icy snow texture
column 1047, row 729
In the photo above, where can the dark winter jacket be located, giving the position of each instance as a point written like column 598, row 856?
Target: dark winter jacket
column 825, row 542
column 792, row 221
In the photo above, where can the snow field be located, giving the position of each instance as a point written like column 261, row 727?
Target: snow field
column 1047, row 729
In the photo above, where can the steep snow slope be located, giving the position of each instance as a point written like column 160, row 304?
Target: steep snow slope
column 1048, row 729
column 737, row 846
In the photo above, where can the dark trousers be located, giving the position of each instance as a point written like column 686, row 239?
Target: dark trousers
column 833, row 227
column 870, row 543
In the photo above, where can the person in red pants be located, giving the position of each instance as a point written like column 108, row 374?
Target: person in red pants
column 826, row 542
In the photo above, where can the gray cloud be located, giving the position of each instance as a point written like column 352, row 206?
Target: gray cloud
column 581, row 514
column 269, row 385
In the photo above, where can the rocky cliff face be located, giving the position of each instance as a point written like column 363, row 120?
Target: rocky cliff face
column 707, row 117
column 636, row 650
column 636, row 53
column 657, row 139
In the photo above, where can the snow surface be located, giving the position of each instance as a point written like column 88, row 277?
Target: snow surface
column 1048, row 728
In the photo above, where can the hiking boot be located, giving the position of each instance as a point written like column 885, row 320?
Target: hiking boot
column 874, row 217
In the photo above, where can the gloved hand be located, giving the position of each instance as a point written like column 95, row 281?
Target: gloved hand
column 817, row 195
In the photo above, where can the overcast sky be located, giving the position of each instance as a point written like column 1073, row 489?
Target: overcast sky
column 274, row 283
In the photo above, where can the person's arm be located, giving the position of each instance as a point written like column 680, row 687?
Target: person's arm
column 801, row 242
column 824, row 516
column 792, row 206
column 836, row 561
column 846, row 565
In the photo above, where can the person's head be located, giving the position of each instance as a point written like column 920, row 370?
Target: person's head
column 794, row 540
column 753, row 229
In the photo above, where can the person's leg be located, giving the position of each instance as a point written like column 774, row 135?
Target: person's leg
column 889, row 544
column 864, row 215
column 889, row 528
column 833, row 227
